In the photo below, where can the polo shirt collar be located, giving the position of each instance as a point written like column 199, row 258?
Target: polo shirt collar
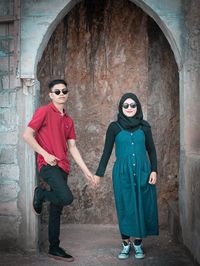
column 53, row 107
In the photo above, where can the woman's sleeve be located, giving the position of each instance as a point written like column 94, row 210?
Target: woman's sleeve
column 151, row 149
column 108, row 147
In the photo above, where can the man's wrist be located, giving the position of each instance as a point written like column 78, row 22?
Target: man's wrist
column 43, row 153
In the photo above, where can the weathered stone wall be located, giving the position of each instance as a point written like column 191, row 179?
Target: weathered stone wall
column 163, row 111
column 10, row 216
column 104, row 50
column 189, row 193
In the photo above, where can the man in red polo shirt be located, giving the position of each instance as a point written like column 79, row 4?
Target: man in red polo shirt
column 51, row 134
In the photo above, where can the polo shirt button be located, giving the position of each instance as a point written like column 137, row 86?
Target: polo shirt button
column 134, row 174
column 132, row 143
column 133, row 164
column 133, row 154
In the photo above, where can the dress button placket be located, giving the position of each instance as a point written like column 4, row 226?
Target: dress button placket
column 132, row 142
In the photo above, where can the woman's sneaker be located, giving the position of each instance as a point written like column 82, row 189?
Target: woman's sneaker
column 139, row 253
column 125, row 252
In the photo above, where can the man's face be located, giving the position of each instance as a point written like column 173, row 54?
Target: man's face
column 59, row 94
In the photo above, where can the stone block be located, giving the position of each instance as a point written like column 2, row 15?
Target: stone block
column 7, row 99
column 8, row 119
column 9, row 208
column 4, row 65
column 9, row 171
column 4, row 100
column 12, row 79
column 8, row 155
column 6, row 7
column 9, row 191
column 8, row 138
column 5, row 82
column 9, row 232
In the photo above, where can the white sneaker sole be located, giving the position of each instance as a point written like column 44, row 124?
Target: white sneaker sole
column 123, row 258
column 139, row 257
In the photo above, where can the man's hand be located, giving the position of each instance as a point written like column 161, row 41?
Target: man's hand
column 153, row 178
column 78, row 159
column 29, row 137
column 89, row 176
column 50, row 159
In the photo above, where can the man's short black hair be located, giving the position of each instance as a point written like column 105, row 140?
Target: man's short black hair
column 55, row 82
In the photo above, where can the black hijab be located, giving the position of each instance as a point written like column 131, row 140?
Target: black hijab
column 131, row 123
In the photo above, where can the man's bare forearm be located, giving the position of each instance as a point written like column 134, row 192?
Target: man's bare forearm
column 29, row 137
column 78, row 158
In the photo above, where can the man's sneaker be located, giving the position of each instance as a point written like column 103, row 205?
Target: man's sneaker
column 139, row 253
column 38, row 199
column 126, row 249
column 60, row 254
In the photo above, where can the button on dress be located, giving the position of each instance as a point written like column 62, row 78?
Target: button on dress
column 135, row 198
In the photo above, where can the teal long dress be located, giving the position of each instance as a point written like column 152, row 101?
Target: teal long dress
column 135, row 198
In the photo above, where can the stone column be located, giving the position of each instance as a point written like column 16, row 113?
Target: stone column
column 26, row 104
column 189, row 192
column 189, row 183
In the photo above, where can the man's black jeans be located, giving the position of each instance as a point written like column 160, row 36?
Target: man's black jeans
column 59, row 195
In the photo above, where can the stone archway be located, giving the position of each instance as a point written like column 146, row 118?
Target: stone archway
column 155, row 11
column 118, row 49
column 46, row 25
column 45, row 33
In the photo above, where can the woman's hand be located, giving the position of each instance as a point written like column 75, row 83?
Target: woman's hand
column 153, row 178
column 97, row 180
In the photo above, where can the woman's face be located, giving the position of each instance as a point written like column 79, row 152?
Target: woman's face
column 129, row 107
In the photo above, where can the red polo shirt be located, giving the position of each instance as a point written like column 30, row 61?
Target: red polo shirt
column 52, row 132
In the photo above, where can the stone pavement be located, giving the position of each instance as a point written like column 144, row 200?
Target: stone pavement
column 98, row 245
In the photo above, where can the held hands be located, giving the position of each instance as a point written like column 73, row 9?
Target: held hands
column 89, row 176
column 153, row 178
column 92, row 178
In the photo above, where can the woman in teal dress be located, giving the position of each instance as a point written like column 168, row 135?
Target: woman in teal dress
column 134, row 175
